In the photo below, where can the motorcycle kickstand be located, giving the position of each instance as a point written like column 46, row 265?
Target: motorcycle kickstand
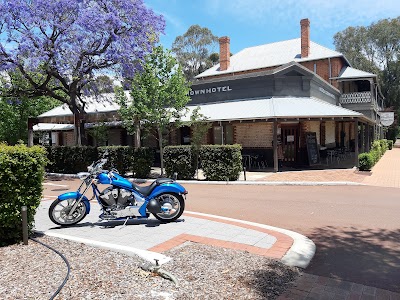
column 126, row 221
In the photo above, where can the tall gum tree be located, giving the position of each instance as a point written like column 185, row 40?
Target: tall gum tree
column 193, row 50
column 65, row 42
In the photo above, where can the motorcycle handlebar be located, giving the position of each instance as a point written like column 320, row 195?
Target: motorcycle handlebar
column 97, row 165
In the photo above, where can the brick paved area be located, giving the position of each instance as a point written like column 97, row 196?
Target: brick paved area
column 309, row 286
column 385, row 173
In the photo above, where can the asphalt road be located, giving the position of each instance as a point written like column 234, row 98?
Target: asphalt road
column 356, row 228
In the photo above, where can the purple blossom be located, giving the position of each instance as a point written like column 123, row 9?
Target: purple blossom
column 77, row 37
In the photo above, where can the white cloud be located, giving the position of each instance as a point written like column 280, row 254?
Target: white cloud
column 172, row 20
column 323, row 15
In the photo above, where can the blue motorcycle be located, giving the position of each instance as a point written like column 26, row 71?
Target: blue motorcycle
column 164, row 198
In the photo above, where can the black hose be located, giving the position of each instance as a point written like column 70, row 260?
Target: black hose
column 66, row 262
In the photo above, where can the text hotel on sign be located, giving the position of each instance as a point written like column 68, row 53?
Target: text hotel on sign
column 217, row 89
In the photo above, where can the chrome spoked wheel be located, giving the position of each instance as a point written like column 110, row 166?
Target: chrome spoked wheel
column 59, row 212
column 172, row 206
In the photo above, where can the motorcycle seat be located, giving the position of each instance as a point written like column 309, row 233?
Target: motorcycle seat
column 146, row 190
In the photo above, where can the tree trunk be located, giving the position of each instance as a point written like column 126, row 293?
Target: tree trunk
column 77, row 129
column 160, row 144
column 137, row 134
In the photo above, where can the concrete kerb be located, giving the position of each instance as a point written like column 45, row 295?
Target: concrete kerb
column 299, row 255
column 249, row 182
column 144, row 254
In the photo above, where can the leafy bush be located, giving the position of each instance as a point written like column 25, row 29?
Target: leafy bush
column 119, row 157
column 21, row 177
column 384, row 145
column 180, row 159
column 392, row 133
column 221, row 162
column 366, row 161
column 376, row 147
column 143, row 159
column 390, row 144
column 74, row 159
column 375, row 155
column 70, row 159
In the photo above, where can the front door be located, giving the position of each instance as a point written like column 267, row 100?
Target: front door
column 289, row 140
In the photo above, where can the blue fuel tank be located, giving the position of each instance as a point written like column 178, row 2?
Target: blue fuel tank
column 116, row 180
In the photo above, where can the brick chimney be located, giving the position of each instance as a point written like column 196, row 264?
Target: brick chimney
column 305, row 37
column 224, row 53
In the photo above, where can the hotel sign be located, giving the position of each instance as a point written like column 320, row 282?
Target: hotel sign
column 211, row 90
column 387, row 118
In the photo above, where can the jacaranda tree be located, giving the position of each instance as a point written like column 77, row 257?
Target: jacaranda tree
column 59, row 45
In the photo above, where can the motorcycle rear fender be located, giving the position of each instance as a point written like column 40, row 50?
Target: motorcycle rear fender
column 172, row 187
column 75, row 195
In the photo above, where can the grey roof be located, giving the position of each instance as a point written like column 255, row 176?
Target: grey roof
column 351, row 73
column 272, row 55
column 94, row 104
column 276, row 107
column 62, row 127
column 52, row 127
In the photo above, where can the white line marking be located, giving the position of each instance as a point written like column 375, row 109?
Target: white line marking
column 54, row 184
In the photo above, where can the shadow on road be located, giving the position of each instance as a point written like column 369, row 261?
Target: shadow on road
column 367, row 256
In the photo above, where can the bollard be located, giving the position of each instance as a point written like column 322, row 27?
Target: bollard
column 175, row 176
column 244, row 173
column 24, row 215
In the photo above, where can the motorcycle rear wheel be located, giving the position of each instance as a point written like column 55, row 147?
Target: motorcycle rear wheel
column 175, row 204
column 59, row 209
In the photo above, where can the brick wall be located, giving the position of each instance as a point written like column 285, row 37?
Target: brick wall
column 322, row 67
column 68, row 138
column 224, row 53
column 253, row 135
column 305, row 37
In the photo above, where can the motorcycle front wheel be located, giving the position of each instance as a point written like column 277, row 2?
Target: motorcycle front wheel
column 172, row 205
column 59, row 210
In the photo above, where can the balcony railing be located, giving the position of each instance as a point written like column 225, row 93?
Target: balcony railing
column 359, row 97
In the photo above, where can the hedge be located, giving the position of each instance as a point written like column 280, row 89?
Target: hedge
column 70, row 159
column 221, row 162
column 143, row 159
column 21, row 177
column 74, row 159
column 366, row 161
column 369, row 159
column 180, row 159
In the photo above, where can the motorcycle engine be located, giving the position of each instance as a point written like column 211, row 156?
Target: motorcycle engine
column 115, row 198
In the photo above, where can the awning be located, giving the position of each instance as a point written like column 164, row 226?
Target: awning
column 351, row 73
column 62, row 127
column 52, row 127
column 269, row 108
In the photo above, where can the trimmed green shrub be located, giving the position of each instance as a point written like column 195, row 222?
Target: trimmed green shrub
column 143, row 159
column 384, row 145
column 180, row 159
column 376, row 146
column 74, row 159
column 375, row 155
column 366, row 161
column 70, row 159
column 21, row 177
column 221, row 162
column 119, row 157
column 390, row 144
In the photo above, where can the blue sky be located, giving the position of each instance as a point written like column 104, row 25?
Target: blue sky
column 256, row 22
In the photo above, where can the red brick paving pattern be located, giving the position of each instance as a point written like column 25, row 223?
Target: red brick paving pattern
column 278, row 249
